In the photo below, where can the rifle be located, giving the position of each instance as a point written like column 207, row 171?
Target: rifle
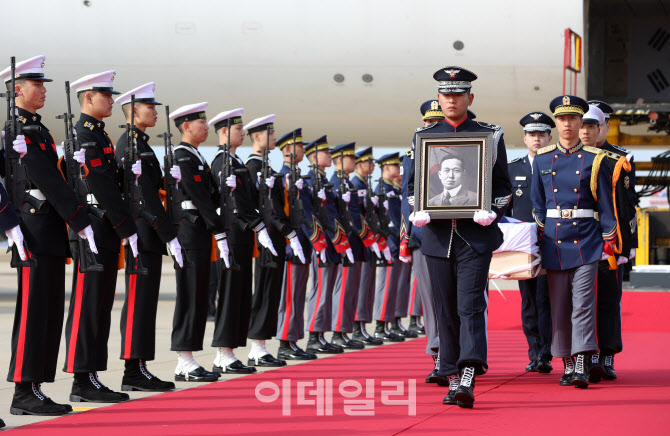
column 265, row 202
column 173, row 195
column 371, row 216
column 16, row 178
column 384, row 220
column 227, row 202
column 296, row 212
column 132, row 190
column 343, row 207
column 87, row 260
column 317, row 185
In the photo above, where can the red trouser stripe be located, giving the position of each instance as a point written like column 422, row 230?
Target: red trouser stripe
column 20, row 346
column 338, row 326
column 411, row 303
column 79, row 295
column 289, row 300
column 386, row 293
column 130, row 315
column 318, row 299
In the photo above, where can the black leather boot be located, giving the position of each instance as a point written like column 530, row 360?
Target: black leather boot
column 361, row 335
column 136, row 377
column 88, row 387
column 30, row 400
column 385, row 335
column 580, row 378
column 568, row 370
column 465, row 393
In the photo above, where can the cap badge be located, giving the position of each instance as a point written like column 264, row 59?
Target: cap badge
column 433, row 105
column 42, row 64
column 566, row 100
column 153, row 88
column 452, row 72
column 535, row 116
column 113, row 76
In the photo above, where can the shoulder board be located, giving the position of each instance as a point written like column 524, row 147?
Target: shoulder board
column 611, row 155
column 488, row 126
column 594, row 150
column 547, row 149
column 422, row 128
column 514, row 160
column 620, row 148
column 408, row 153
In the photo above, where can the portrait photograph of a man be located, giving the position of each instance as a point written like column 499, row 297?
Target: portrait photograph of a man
column 454, row 179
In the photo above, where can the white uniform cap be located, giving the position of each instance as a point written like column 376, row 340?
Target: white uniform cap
column 101, row 82
column 594, row 116
column 143, row 94
column 221, row 120
column 189, row 112
column 260, row 123
column 32, row 68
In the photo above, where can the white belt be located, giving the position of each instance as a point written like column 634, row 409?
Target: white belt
column 37, row 194
column 188, row 204
column 571, row 213
column 90, row 198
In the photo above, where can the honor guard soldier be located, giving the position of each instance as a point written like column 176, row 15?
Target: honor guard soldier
column 410, row 244
column 268, row 270
column 45, row 203
column 535, row 307
column 348, row 277
column 366, row 294
column 234, row 290
column 571, row 183
column 199, row 222
column 291, row 322
column 609, row 302
column 609, row 282
column 389, row 278
column 89, row 316
column 458, row 251
column 324, row 267
column 138, row 315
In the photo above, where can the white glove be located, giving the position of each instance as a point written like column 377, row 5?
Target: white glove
column 361, row 193
column 631, row 256
column 136, row 168
column 387, row 254
column 80, row 156
column 406, row 259
column 346, row 197
column 322, row 194
column 299, row 183
column 222, row 244
column 15, row 236
column 270, row 181
column 265, row 241
column 87, row 234
column 20, row 147
column 484, row 217
column 297, row 249
column 386, row 205
column 322, row 255
column 231, row 182
column 350, row 255
column 133, row 243
column 374, row 199
column 175, row 172
column 604, row 256
column 375, row 248
column 174, row 247
column 419, row 219
column 621, row 260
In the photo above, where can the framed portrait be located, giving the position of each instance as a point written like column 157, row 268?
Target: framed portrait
column 453, row 173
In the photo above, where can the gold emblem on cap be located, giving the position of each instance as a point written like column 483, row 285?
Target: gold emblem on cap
column 434, row 104
column 113, row 76
column 535, row 116
column 153, row 88
column 452, row 72
column 42, row 64
column 566, row 100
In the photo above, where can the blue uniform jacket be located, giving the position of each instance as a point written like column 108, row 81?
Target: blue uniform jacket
column 520, row 174
column 394, row 214
column 411, row 234
column 334, row 231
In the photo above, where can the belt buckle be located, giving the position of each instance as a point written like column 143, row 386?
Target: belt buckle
column 566, row 213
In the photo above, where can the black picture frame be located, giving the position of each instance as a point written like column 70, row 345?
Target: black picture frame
column 435, row 151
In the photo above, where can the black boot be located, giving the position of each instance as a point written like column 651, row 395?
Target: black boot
column 596, row 370
column 544, row 365
column 289, row 350
column 580, row 378
column 136, row 377
column 30, row 400
column 317, row 344
column 454, row 382
column 400, row 330
column 385, row 335
column 435, row 377
column 608, row 365
column 415, row 325
column 465, row 393
column 568, row 371
column 340, row 339
column 361, row 335
column 88, row 387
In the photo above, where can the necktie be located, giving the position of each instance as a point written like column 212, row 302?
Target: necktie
column 446, row 199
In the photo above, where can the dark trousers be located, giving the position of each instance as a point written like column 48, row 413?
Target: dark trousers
column 267, row 293
column 190, row 312
column 138, row 315
column 461, row 302
column 38, row 321
column 608, row 308
column 213, row 289
column 233, row 310
column 89, row 315
column 536, row 316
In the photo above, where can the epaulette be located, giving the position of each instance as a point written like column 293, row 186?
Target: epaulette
column 408, row 153
column 422, row 128
column 594, row 150
column 513, row 160
column 547, row 149
column 488, row 126
column 612, row 156
column 620, row 148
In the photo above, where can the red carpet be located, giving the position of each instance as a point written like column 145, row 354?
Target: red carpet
column 508, row 400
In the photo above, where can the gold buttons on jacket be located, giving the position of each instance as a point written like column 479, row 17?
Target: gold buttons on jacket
column 558, row 207
column 553, row 173
column 555, row 189
column 579, row 155
column 559, row 241
column 577, row 172
column 575, row 208
column 575, row 242
column 576, row 190
column 32, row 210
column 558, row 224
column 574, row 223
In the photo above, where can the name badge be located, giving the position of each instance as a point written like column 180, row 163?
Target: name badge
column 520, row 178
column 543, row 172
column 200, row 167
